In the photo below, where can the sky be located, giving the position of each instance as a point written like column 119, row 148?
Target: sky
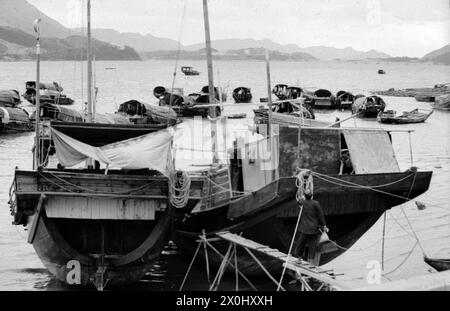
column 397, row 27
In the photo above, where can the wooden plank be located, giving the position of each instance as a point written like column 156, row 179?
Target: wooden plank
column 95, row 208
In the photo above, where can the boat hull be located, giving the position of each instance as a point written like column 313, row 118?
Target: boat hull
column 58, row 255
column 269, row 216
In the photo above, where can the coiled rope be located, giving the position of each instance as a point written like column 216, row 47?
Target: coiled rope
column 179, row 189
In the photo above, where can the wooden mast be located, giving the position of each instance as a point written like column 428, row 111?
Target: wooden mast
column 269, row 96
column 212, row 97
column 90, row 116
column 37, row 153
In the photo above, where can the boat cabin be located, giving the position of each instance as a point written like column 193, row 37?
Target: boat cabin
column 255, row 165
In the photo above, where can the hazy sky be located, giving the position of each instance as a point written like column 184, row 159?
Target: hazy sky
column 397, row 27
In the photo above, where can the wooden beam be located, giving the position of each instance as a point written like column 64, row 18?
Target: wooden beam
column 36, row 218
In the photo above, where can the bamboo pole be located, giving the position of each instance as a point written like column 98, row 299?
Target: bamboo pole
column 212, row 97
column 37, row 149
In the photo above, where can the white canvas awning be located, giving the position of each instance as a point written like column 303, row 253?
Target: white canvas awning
column 151, row 151
column 371, row 151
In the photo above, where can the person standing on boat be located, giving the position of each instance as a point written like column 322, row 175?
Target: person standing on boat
column 312, row 224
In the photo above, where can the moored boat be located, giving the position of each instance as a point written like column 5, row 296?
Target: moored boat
column 344, row 99
column 368, row 107
column 242, row 95
column 102, row 227
column 442, row 103
column 49, row 93
column 324, row 99
column 413, row 116
column 263, row 206
column 196, row 104
column 13, row 119
column 189, row 71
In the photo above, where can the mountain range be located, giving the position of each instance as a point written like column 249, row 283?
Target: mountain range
column 18, row 39
column 17, row 16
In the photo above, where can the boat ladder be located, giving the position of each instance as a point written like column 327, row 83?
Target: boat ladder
column 302, row 270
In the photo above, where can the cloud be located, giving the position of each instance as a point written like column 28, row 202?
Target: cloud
column 400, row 27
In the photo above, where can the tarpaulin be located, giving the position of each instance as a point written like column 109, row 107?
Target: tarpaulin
column 151, row 151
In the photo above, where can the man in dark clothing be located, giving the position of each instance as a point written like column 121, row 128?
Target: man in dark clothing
column 312, row 222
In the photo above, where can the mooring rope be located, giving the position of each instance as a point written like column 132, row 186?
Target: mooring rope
column 302, row 185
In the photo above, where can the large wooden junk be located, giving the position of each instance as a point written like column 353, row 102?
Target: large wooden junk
column 263, row 206
column 100, row 226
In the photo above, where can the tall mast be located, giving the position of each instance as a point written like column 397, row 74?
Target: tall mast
column 90, row 106
column 37, row 153
column 212, row 97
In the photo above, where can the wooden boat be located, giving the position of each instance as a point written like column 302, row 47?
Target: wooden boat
column 442, row 103
column 368, row 107
column 14, row 120
column 381, row 72
column 324, row 99
column 49, row 93
column 262, row 204
column 196, row 104
column 242, row 95
column 344, row 99
column 112, row 227
column 9, row 98
column 413, row 116
column 189, row 71
column 438, row 264
column 280, row 91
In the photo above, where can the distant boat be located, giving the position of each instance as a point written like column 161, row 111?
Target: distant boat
column 414, row 116
column 368, row 107
column 12, row 118
column 189, row 71
column 345, row 99
column 324, row 99
column 438, row 264
column 49, row 93
column 196, row 104
column 280, row 91
column 242, row 95
column 381, row 72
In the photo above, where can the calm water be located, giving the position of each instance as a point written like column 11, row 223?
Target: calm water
column 20, row 268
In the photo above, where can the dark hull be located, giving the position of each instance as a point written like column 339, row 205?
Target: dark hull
column 115, row 227
column 55, row 251
column 242, row 99
column 438, row 264
column 402, row 120
column 16, row 127
column 269, row 216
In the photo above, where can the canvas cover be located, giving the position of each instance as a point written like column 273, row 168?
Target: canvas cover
column 151, row 151
column 371, row 151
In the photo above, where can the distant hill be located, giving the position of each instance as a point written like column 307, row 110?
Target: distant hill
column 20, row 14
column 141, row 43
column 319, row 52
column 236, row 44
column 18, row 45
column 241, row 54
column 441, row 55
